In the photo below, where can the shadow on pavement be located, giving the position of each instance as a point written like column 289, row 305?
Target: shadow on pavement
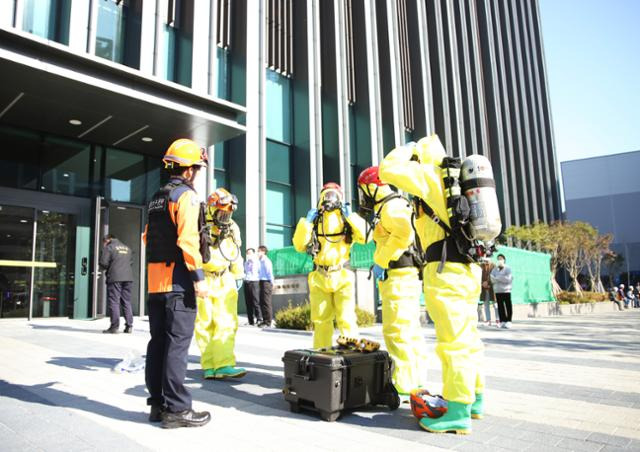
column 84, row 363
column 64, row 328
column 44, row 394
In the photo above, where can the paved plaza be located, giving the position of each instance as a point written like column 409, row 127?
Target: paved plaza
column 570, row 383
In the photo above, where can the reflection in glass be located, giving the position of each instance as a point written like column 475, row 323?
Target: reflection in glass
column 118, row 31
column 48, row 19
column 278, row 107
column 65, row 166
column 279, row 195
column 16, row 247
column 178, row 41
column 19, row 153
column 54, row 273
column 125, row 176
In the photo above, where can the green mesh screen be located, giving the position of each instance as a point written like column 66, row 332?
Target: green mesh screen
column 531, row 270
column 531, row 274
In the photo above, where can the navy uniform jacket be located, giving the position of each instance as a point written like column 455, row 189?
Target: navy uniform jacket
column 117, row 260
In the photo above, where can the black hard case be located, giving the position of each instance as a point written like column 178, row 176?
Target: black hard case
column 332, row 380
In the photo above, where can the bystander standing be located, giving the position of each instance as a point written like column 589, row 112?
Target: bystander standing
column 266, row 287
column 501, row 279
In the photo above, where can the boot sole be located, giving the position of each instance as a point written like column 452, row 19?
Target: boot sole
column 178, row 424
column 224, row 377
column 477, row 416
column 456, row 431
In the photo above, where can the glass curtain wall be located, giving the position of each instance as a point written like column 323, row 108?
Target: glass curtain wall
column 178, row 42
column 280, row 183
column 118, row 31
column 48, row 19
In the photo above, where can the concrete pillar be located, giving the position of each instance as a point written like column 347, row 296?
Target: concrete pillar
column 79, row 25
column 201, row 46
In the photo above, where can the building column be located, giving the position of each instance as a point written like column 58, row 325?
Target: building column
column 201, row 47
column 18, row 9
column 79, row 22
column 425, row 67
column 373, row 81
column 158, row 54
column 212, row 67
column 396, row 77
column 256, row 187
column 147, row 36
column 92, row 28
column 315, row 99
column 344, row 134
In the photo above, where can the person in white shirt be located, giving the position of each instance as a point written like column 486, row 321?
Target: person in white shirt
column 501, row 280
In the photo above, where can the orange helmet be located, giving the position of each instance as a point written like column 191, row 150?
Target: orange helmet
column 423, row 404
column 184, row 153
column 220, row 206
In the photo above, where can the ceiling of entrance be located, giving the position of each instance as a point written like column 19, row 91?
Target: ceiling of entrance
column 47, row 88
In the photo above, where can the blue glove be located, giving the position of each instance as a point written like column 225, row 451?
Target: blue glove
column 346, row 209
column 379, row 272
column 239, row 284
column 311, row 215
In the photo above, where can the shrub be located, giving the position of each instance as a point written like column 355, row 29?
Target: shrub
column 299, row 317
column 565, row 297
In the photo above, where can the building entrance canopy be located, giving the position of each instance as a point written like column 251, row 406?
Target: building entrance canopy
column 46, row 87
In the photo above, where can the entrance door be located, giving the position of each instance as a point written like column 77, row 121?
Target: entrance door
column 125, row 222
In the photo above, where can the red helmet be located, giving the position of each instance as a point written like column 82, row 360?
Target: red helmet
column 370, row 176
column 423, row 404
column 332, row 186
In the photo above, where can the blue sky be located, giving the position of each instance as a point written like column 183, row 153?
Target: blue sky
column 592, row 52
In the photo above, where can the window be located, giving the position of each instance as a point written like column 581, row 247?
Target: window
column 48, row 19
column 65, row 166
column 220, row 159
column 178, row 39
column 19, row 166
column 118, row 31
column 125, row 177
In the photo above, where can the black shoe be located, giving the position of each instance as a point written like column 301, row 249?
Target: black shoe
column 156, row 413
column 128, row 329
column 186, row 418
column 111, row 330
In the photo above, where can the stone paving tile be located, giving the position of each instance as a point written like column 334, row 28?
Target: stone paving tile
column 538, row 438
column 575, row 444
column 610, row 440
column 510, row 443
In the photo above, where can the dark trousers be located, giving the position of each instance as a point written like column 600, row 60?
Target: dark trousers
column 171, row 319
column 119, row 295
column 505, row 309
column 252, row 300
column 266, row 288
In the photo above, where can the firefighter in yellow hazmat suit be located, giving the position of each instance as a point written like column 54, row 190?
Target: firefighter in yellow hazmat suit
column 327, row 233
column 451, row 294
column 397, row 265
column 217, row 317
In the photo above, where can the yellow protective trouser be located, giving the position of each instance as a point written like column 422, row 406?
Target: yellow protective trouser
column 400, row 294
column 452, row 298
column 217, row 322
column 331, row 295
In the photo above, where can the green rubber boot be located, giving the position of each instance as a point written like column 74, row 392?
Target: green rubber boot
column 229, row 372
column 209, row 374
column 477, row 408
column 457, row 419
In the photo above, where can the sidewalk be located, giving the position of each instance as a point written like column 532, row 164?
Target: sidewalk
column 570, row 383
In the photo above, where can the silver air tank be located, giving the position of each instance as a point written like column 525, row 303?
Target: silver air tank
column 479, row 187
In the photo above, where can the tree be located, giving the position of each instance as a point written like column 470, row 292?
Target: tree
column 600, row 250
column 614, row 262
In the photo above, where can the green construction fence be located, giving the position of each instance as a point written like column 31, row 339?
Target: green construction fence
column 531, row 270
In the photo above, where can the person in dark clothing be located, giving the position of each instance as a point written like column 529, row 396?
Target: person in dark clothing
column 266, row 287
column 175, row 277
column 116, row 260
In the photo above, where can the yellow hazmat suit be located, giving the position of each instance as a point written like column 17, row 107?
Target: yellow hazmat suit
column 217, row 318
column 451, row 296
column 400, row 293
column 331, row 286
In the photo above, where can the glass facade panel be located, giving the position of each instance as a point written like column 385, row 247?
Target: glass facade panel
column 118, row 31
column 16, row 247
column 19, row 158
column 178, row 41
column 221, row 77
column 48, row 19
column 278, row 236
column 53, row 281
column 65, row 166
column 279, row 107
column 125, row 177
column 278, row 162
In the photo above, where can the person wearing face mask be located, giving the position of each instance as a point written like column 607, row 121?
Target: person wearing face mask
column 217, row 319
column 501, row 280
column 175, row 277
column 397, row 268
column 327, row 234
